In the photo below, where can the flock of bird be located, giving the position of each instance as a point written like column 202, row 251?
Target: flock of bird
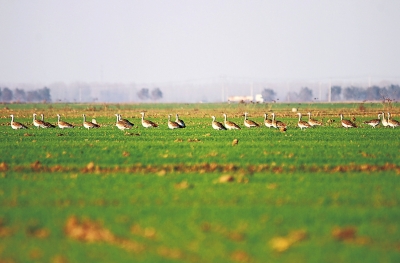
column 124, row 124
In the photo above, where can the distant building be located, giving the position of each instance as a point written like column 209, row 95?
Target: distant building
column 245, row 98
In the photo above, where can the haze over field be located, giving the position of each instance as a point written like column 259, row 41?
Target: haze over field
column 197, row 50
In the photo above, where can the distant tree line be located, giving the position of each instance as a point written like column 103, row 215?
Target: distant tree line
column 352, row 93
column 145, row 94
column 20, row 95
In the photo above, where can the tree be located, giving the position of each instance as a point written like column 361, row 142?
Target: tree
column 373, row 93
column 19, row 95
column 156, row 94
column 1, row 99
column 44, row 94
column 305, row 94
column 7, row 95
column 268, row 95
column 392, row 92
column 32, row 96
column 143, row 94
column 335, row 93
column 354, row 93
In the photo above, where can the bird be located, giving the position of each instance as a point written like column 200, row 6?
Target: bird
column 313, row 122
column 63, row 124
column 217, row 125
column 125, row 120
column 230, row 125
column 172, row 124
column 384, row 121
column 89, row 125
column 302, row 124
column 277, row 124
column 45, row 123
column 123, row 124
column 147, row 123
column 375, row 122
column 37, row 123
column 392, row 123
column 180, row 122
column 267, row 122
column 16, row 125
column 347, row 123
column 249, row 123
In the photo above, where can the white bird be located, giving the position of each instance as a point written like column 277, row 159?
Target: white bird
column 267, row 122
column 230, row 125
column 89, row 125
column 375, row 122
column 249, row 123
column 277, row 124
column 384, row 121
column 392, row 123
column 347, row 123
column 63, row 124
column 37, row 123
column 180, row 122
column 147, row 123
column 217, row 125
column 16, row 125
column 123, row 124
column 172, row 124
column 302, row 124
column 45, row 123
column 313, row 122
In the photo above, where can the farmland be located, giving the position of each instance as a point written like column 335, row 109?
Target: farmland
column 324, row 194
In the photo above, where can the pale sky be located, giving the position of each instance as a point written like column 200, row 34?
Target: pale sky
column 177, row 40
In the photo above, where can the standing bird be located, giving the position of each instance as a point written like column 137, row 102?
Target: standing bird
column 217, row 125
column 63, row 124
column 147, row 123
column 180, row 122
column 172, row 124
column 313, row 122
column 46, row 124
column 125, row 120
column 375, row 122
column 16, row 125
column 267, row 122
column 277, row 124
column 123, row 124
column 392, row 123
column 37, row 123
column 384, row 121
column 230, row 125
column 302, row 124
column 89, row 125
column 249, row 123
column 347, row 123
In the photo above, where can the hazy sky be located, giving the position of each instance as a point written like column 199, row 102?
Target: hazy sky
column 176, row 40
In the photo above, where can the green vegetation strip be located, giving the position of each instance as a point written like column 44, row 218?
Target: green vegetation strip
column 324, row 194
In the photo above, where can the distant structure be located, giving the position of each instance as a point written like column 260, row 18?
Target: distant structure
column 246, row 98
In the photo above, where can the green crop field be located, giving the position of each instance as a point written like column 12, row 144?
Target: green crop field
column 323, row 194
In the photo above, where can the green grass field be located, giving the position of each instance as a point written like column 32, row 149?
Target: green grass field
column 324, row 194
